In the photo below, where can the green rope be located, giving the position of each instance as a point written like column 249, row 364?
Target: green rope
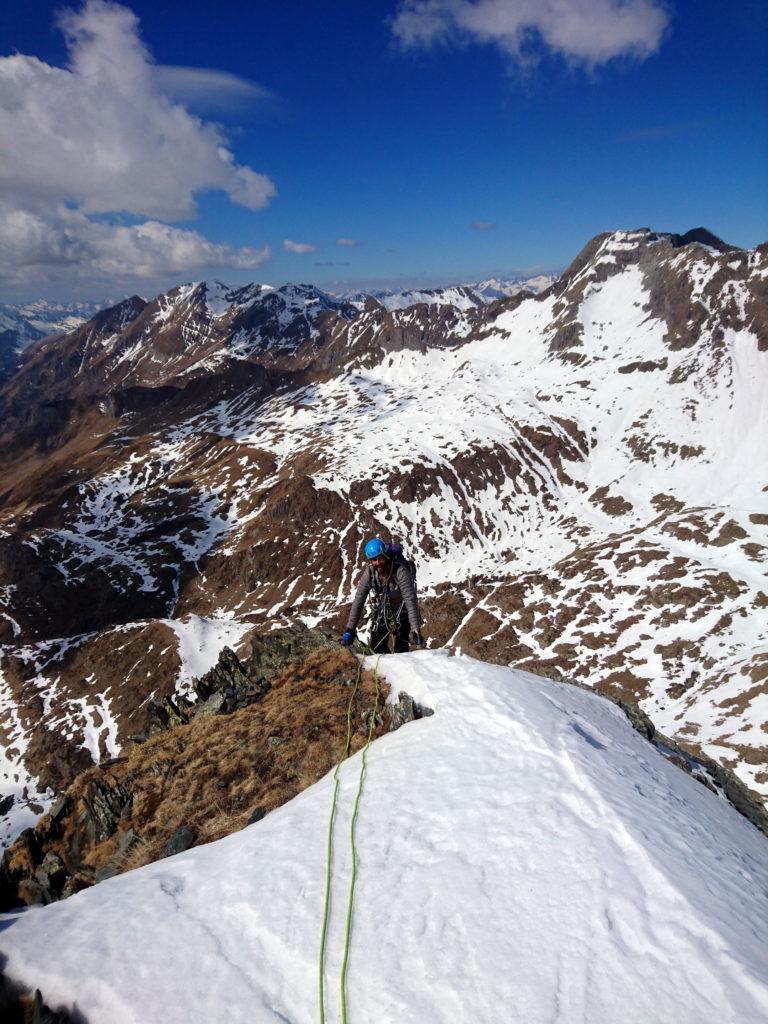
column 329, row 850
column 354, row 848
column 329, row 845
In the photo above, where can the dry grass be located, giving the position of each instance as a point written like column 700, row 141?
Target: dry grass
column 211, row 775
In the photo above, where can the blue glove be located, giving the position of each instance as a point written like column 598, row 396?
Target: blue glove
column 348, row 637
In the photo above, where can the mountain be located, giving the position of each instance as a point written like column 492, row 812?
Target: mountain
column 462, row 296
column 21, row 326
column 578, row 474
column 522, row 853
column 494, row 288
column 34, row 320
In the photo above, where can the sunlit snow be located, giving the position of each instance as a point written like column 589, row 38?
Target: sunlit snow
column 523, row 855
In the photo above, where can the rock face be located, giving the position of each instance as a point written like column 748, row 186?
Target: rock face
column 578, row 475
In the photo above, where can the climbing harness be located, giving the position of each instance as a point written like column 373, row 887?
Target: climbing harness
column 353, row 848
column 382, row 607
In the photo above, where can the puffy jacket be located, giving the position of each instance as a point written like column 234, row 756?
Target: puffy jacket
column 398, row 591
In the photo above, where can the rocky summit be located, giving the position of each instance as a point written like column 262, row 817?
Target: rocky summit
column 579, row 475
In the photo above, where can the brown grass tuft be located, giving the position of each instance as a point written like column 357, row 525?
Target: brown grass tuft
column 211, row 775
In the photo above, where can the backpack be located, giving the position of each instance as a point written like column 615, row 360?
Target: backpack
column 395, row 552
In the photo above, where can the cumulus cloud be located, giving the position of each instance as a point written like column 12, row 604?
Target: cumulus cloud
column 585, row 32
column 299, row 247
column 483, row 225
column 346, row 241
column 88, row 249
column 103, row 136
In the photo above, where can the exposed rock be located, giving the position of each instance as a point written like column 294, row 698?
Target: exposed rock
column 103, row 806
column 407, row 710
column 167, row 714
column 182, row 839
column 638, row 718
column 272, row 652
column 33, row 892
column 125, row 844
column 52, row 873
column 227, row 674
column 18, row 1007
column 212, row 706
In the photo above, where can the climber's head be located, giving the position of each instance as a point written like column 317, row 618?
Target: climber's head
column 376, row 553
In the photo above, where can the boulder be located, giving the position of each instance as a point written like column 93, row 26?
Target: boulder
column 180, row 841
column 52, row 873
column 407, row 710
column 126, row 843
column 213, row 705
column 273, row 652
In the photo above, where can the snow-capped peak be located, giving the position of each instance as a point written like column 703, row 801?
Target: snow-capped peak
column 493, row 288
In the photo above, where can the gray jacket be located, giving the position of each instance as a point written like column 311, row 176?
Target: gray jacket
column 399, row 592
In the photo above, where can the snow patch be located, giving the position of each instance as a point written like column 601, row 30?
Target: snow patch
column 201, row 641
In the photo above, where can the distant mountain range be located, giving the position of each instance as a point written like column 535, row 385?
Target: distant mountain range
column 579, row 474
column 21, row 326
column 34, row 320
column 25, row 323
column 462, row 295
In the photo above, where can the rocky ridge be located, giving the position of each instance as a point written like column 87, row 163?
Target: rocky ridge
column 577, row 473
column 252, row 735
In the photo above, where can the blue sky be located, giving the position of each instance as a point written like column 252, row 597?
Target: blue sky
column 448, row 141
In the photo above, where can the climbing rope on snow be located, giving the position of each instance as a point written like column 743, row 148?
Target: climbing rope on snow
column 329, row 844
column 353, row 848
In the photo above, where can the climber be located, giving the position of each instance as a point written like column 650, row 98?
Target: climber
column 391, row 577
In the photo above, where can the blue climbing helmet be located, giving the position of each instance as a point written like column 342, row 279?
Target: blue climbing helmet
column 374, row 548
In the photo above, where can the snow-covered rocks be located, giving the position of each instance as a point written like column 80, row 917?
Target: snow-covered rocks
column 522, row 854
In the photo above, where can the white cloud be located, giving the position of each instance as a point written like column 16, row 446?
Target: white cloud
column 101, row 136
column 71, row 244
column 346, row 241
column 300, row 247
column 586, row 32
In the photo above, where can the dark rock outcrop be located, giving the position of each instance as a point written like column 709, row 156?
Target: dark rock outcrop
column 181, row 840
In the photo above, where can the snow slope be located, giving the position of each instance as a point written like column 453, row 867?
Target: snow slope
column 523, row 855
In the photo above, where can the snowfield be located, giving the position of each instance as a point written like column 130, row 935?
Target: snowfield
column 523, row 855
